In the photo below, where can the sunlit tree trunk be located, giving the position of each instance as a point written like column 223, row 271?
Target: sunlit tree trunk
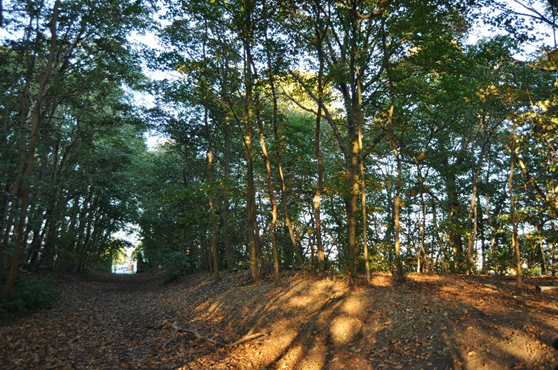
column 271, row 194
column 400, row 276
column 515, row 241
column 363, row 206
column 539, row 229
column 422, row 256
column 554, row 253
column 284, row 185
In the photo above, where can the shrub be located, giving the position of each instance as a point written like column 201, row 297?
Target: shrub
column 28, row 295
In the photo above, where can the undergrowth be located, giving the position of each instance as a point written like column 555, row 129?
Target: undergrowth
column 28, row 295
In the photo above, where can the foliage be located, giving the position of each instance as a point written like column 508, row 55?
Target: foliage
column 30, row 294
column 394, row 115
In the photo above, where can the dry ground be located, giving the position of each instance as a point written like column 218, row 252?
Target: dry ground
column 310, row 322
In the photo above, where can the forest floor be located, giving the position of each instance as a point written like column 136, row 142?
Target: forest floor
column 430, row 322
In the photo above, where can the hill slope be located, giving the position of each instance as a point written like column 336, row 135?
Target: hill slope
column 430, row 322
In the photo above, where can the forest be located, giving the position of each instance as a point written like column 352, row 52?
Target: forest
column 350, row 136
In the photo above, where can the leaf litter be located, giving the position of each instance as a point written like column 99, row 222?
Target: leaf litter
column 108, row 321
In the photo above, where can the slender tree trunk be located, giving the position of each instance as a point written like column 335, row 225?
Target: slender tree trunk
column 284, row 185
column 454, row 227
column 91, row 246
column 229, row 251
column 35, row 123
column 482, row 236
column 210, row 195
column 472, row 226
column 515, row 241
column 85, row 244
column 397, row 206
column 363, row 206
column 442, row 248
column 543, row 258
column 81, row 234
column 320, row 34
column 554, row 253
column 541, row 247
column 25, row 117
column 249, row 122
column 271, row 193
column 422, row 228
column 472, row 219
column 319, row 188
column 400, row 276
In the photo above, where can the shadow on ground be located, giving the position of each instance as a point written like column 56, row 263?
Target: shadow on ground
column 309, row 322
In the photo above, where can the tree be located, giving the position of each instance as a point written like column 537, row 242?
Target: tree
column 48, row 67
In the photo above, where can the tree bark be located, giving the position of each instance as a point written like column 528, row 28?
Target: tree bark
column 319, row 188
column 28, row 162
column 400, row 276
column 271, row 194
column 284, row 185
column 229, row 251
column 210, row 196
column 515, row 241
column 248, row 135
column 363, row 206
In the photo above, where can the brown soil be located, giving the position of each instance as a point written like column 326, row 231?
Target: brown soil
column 310, row 322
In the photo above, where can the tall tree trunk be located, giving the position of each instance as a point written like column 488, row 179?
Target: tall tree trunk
column 363, row 206
column 515, row 240
column 320, row 34
column 482, row 237
column 317, row 200
column 229, row 251
column 85, row 241
column 35, row 123
column 400, row 276
column 472, row 225
column 352, row 171
column 422, row 229
column 453, row 216
column 248, row 134
column 472, row 219
column 210, row 195
column 271, row 193
column 283, row 183
column 25, row 113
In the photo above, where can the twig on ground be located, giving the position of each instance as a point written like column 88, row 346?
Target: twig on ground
column 178, row 329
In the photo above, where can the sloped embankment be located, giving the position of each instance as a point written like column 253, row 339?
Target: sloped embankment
column 308, row 322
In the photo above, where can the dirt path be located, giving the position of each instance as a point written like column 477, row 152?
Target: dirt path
column 431, row 322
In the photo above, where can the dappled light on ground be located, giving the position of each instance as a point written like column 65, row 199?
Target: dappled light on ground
column 306, row 322
column 343, row 329
column 353, row 305
column 381, row 280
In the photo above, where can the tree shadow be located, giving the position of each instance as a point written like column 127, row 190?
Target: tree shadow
column 310, row 322
column 425, row 323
